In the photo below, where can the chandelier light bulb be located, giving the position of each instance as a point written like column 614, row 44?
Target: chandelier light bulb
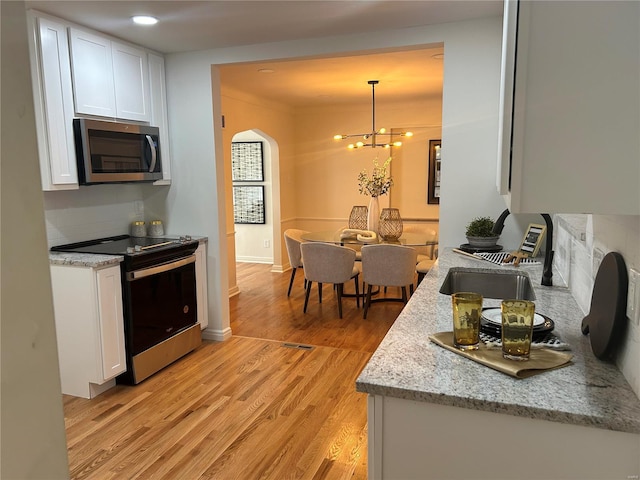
column 359, row 144
column 382, row 130
column 397, row 144
column 338, row 137
column 408, row 134
column 351, row 146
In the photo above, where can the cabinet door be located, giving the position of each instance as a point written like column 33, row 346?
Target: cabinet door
column 111, row 323
column 54, row 107
column 92, row 65
column 131, row 81
column 159, row 118
column 574, row 139
column 201, row 286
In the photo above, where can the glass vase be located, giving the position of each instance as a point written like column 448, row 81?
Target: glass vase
column 373, row 215
column 390, row 224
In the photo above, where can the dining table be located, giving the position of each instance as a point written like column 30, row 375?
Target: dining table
column 409, row 239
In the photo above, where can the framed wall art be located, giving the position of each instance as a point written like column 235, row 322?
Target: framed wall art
column 248, row 204
column 433, row 184
column 247, row 162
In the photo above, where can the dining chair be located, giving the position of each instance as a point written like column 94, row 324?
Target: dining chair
column 388, row 265
column 423, row 267
column 293, row 239
column 329, row 263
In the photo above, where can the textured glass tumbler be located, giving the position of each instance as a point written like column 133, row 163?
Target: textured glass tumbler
column 358, row 217
column 517, row 328
column 390, row 224
column 467, row 310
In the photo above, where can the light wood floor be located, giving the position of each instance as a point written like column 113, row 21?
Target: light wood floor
column 248, row 408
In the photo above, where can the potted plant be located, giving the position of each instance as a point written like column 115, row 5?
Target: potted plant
column 480, row 233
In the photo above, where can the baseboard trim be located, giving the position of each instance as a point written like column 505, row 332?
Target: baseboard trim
column 216, row 335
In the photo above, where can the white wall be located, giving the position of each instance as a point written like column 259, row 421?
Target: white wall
column 33, row 436
column 250, row 239
column 94, row 211
column 581, row 242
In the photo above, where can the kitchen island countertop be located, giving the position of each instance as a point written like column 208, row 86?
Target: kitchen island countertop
column 407, row 365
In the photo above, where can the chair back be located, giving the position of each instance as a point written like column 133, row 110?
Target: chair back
column 388, row 265
column 293, row 239
column 327, row 263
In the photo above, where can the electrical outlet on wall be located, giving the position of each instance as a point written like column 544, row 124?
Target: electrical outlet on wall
column 139, row 206
column 267, row 243
column 633, row 296
column 598, row 255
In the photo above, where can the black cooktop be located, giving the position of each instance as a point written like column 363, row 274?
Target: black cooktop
column 134, row 249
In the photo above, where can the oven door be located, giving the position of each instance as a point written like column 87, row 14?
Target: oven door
column 162, row 302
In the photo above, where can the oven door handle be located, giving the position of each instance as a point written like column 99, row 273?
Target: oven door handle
column 165, row 267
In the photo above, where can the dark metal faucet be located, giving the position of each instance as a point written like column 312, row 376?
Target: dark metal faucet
column 547, row 272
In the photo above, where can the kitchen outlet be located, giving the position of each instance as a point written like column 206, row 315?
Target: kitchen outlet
column 633, row 296
column 267, row 243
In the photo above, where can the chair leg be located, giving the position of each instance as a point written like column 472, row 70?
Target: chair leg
column 356, row 281
column 420, row 277
column 411, row 289
column 339, row 291
column 306, row 296
column 367, row 302
column 404, row 294
column 319, row 292
column 293, row 275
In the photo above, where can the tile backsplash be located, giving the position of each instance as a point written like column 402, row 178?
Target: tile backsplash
column 580, row 244
column 91, row 212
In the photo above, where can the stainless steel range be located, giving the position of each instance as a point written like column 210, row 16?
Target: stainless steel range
column 159, row 298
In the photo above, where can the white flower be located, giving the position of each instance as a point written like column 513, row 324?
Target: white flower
column 378, row 184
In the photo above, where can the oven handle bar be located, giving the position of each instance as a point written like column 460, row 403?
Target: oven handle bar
column 165, row 267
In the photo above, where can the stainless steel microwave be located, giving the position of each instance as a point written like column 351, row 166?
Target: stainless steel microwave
column 110, row 152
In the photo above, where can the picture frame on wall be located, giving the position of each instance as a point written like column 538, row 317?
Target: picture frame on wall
column 247, row 162
column 433, row 183
column 248, row 204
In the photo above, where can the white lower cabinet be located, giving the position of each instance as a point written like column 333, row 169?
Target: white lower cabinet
column 201, row 286
column 89, row 327
column 410, row 439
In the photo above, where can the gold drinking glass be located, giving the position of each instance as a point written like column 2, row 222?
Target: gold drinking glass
column 467, row 309
column 517, row 328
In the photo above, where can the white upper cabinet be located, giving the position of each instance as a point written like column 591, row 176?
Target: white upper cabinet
column 570, row 119
column 159, row 116
column 131, row 80
column 53, row 102
column 109, row 79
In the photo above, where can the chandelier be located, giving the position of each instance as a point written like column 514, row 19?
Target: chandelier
column 376, row 138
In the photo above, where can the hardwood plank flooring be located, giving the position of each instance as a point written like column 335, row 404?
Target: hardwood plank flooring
column 248, row 408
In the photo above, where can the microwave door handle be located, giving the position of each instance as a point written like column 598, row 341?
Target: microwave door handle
column 153, row 153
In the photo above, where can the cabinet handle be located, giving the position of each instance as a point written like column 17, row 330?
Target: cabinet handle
column 165, row 267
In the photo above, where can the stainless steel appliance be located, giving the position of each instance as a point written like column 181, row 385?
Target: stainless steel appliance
column 110, row 152
column 159, row 299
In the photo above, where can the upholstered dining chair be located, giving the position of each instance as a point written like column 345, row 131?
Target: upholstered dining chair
column 329, row 263
column 388, row 265
column 293, row 239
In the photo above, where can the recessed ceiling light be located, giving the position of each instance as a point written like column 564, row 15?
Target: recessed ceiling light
column 266, row 70
column 144, row 20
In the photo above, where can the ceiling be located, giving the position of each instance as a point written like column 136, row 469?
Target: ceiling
column 201, row 25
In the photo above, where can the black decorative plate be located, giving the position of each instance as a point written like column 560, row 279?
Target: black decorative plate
column 465, row 247
column 539, row 331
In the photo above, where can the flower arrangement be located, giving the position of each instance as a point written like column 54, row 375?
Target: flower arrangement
column 378, row 184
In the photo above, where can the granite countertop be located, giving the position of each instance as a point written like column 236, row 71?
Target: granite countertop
column 407, row 365
column 83, row 259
